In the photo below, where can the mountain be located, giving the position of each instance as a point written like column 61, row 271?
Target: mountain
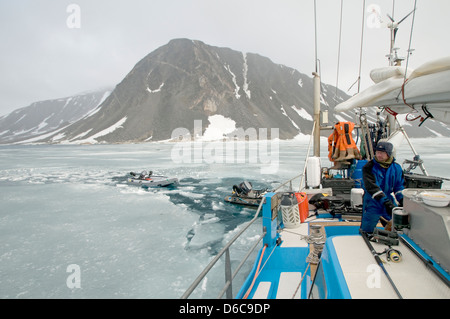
column 185, row 84
column 186, row 81
column 40, row 119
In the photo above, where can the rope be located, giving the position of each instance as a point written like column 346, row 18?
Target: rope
column 301, row 280
column 358, row 80
column 393, row 113
column 410, row 39
column 270, row 255
column 407, row 117
column 339, row 50
column 302, row 237
column 315, row 35
column 405, row 80
column 362, row 43
column 403, row 93
column 393, row 9
column 256, row 273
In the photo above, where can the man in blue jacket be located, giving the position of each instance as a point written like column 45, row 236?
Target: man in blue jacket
column 382, row 176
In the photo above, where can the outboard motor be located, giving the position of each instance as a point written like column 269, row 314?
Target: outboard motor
column 143, row 174
column 246, row 187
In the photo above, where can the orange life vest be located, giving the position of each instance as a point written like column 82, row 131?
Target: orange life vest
column 341, row 145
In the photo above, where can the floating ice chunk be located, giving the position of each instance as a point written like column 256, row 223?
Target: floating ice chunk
column 206, row 235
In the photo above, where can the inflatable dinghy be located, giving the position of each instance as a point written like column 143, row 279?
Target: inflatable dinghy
column 244, row 194
column 149, row 180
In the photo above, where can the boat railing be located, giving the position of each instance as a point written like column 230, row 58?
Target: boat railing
column 229, row 275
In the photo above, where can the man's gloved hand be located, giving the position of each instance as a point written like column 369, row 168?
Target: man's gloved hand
column 389, row 207
column 400, row 203
column 388, row 226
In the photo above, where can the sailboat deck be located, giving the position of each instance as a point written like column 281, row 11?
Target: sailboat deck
column 365, row 278
column 349, row 260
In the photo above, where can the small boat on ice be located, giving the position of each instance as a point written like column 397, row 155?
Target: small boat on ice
column 145, row 179
column 244, row 194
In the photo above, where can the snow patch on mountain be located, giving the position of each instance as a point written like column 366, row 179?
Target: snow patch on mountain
column 92, row 139
column 218, row 128
column 303, row 113
column 245, row 86
column 233, row 76
column 157, row 90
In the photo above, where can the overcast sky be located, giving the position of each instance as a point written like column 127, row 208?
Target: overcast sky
column 57, row 48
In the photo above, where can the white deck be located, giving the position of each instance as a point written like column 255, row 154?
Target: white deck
column 365, row 279
column 288, row 284
column 263, row 290
column 363, row 276
column 292, row 237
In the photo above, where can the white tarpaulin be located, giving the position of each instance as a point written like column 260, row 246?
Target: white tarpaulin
column 428, row 85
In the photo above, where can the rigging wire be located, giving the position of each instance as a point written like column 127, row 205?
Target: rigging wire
column 393, row 10
column 409, row 53
column 411, row 36
column 362, row 43
column 315, row 36
column 358, row 80
column 339, row 51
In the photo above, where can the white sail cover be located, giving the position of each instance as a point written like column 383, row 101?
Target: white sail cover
column 426, row 87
